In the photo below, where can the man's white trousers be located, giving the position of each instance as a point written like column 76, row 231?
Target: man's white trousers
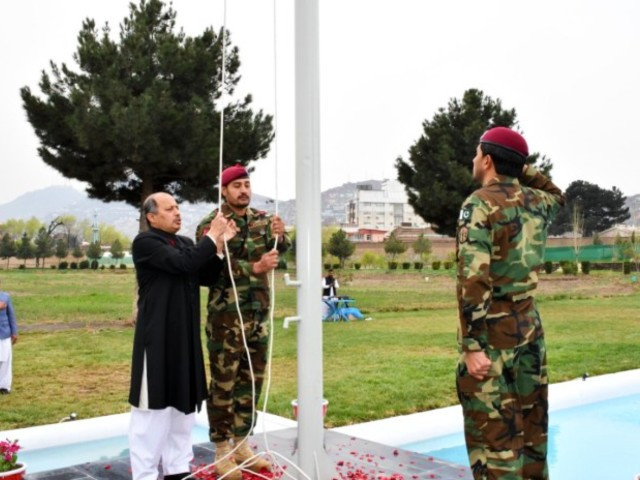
column 160, row 434
column 6, row 355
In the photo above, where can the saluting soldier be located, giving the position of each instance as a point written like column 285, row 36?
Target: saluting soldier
column 252, row 257
column 502, row 372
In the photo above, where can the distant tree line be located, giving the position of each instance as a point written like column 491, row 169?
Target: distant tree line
column 64, row 235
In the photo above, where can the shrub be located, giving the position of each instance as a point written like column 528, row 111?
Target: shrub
column 102, row 267
column 282, row 265
column 336, row 266
column 418, row 265
column 357, row 266
column 435, row 264
column 626, row 268
column 21, row 266
column 73, row 266
column 569, row 268
column 448, row 264
column 63, row 265
column 327, row 266
column 112, row 267
column 406, row 265
column 123, row 266
column 548, row 267
column 94, row 264
column 392, row 265
column 84, row 264
column 586, row 267
column 52, row 267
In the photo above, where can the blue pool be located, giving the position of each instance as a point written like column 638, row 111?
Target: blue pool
column 594, row 441
column 44, row 459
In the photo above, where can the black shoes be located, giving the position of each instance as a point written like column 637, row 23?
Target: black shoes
column 4, row 391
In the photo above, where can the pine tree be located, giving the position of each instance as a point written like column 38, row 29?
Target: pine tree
column 25, row 248
column 141, row 115
column 7, row 248
column 422, row 247
column 601, row 208
column 394, row 246
column 340, row 246
column 94, row 252
column 438, row 173
column 62, row 249
column 117, row 252
column 77, row 252
column 44, row 245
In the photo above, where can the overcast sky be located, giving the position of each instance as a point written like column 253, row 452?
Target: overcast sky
column 570, row 68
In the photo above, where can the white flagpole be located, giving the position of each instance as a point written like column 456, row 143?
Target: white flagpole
column 312, row 458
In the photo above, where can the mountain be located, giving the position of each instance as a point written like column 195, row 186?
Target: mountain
column 47, row 203
column 633, row 202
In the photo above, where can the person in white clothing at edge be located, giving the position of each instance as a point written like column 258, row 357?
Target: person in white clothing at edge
column 168, row 381
column 8, row 338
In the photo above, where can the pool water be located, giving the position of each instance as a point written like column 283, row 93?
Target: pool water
column 52, row 458
column 595, row 441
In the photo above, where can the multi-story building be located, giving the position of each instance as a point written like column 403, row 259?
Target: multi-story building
column 382, row 209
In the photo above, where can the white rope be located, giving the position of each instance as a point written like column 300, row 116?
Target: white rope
column 222, row 100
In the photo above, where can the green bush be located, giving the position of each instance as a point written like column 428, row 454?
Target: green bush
column 357, row 266
column 112, row 267
column 73, row 266
column 84, row 264
column 336, row 266
column 418, row 265
column 102, row 267
column 123, row 266
column 94, row 264
column 436, row 264
column 282, row 265
column 406, row 265
column 548, row 267
column 327, row 266
column 569, row 268
column 586, row 267
column 626, row 268
column 63, row 265
column 52, row 267
column 392, row 265
column 21, row 266
column 448, row 264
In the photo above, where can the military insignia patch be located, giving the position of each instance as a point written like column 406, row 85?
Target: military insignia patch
column 465, row 213
column 463, row 235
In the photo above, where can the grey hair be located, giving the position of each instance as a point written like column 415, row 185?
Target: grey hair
column 150, row 205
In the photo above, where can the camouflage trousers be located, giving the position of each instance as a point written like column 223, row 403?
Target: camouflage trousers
column 506, row 414
column 230, row 406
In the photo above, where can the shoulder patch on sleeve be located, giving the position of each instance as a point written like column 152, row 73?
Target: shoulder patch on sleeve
column 465, row 213
column 463, row 234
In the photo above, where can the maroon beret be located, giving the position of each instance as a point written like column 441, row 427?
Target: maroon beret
column 506, row 138
column 230, row 174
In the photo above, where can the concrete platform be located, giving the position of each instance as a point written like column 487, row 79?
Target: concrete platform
column 354, row 459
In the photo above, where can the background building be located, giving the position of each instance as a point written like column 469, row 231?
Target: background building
column 383, row 208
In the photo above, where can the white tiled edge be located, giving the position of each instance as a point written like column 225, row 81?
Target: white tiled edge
column 78, row 431
column 397, row 431
column 394, row 431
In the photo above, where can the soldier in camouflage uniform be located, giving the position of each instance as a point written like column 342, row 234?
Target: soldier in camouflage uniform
column 252, row 257
column 502, row 372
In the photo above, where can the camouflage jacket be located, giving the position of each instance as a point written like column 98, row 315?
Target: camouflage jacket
column 502, row 232
column 252, row 241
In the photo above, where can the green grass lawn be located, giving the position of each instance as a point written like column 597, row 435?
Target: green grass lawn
column 400, row 362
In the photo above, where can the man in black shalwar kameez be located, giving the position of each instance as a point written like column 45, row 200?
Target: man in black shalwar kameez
column 168, row 381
